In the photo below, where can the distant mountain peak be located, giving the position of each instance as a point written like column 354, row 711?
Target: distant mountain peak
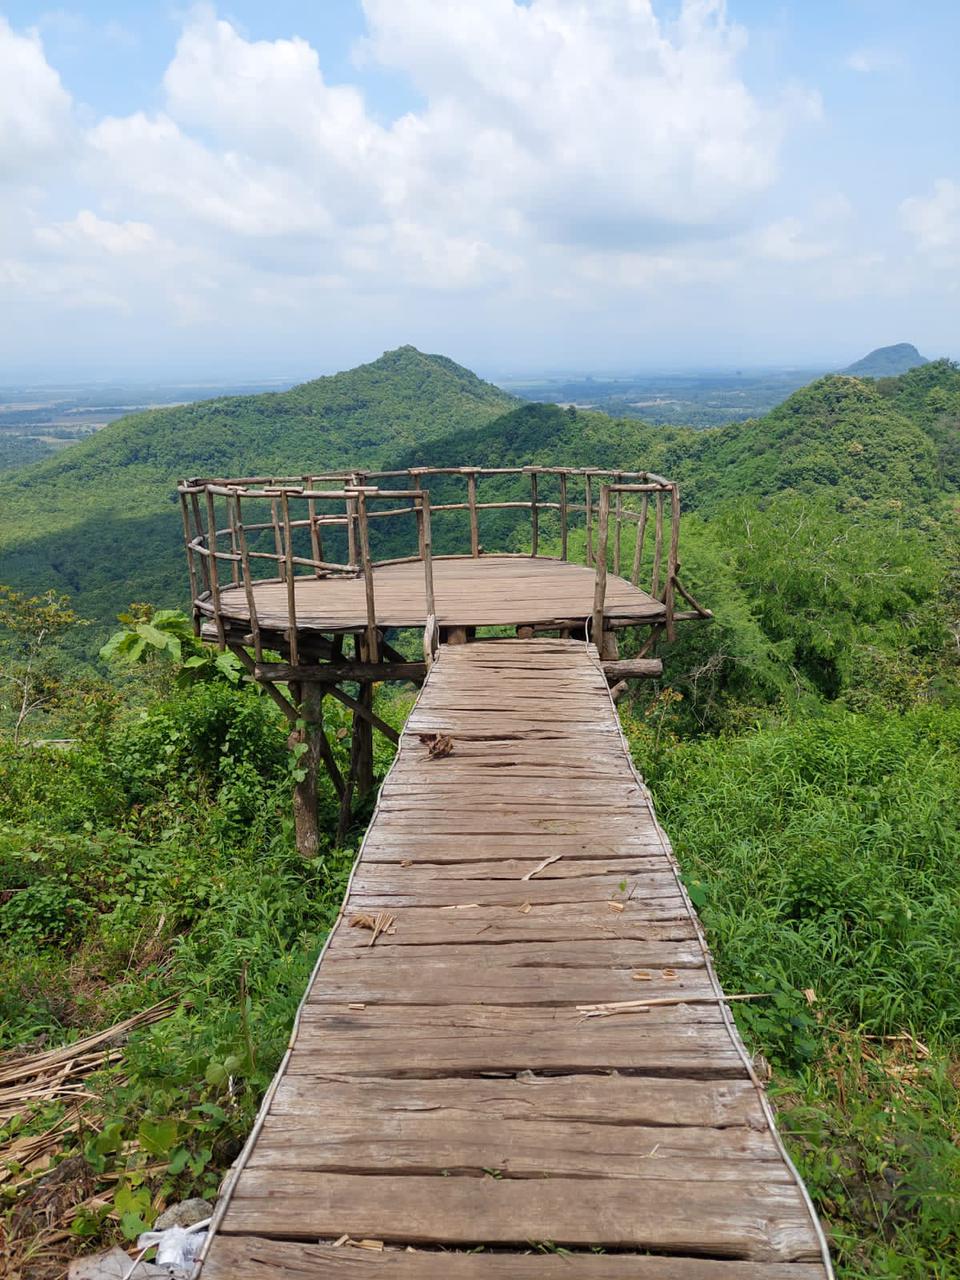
column 887, row 362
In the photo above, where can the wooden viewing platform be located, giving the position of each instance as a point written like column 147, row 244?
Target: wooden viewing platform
column 514, row 1045
column 513, row 1061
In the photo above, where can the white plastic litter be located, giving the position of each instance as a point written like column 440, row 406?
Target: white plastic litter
column 177, row 1247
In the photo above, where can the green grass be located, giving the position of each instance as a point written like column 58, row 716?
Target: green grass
column 824, row 856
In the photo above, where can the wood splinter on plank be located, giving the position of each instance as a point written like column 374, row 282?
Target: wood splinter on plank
column 542, row 866
column 631, row 1006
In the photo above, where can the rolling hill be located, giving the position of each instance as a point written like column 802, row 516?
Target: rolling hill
column 101, row 521
column 887, row 362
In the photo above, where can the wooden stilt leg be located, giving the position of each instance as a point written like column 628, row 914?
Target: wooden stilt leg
column 310, row 698
column 363, row 728
column 609, row 649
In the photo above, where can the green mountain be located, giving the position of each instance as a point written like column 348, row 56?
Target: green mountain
column 101, row 521
column 839, row 436
column 887, row 362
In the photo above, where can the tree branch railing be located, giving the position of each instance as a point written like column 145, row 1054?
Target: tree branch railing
column 295, row 516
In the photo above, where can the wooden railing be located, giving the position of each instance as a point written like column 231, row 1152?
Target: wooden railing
column 219, row 536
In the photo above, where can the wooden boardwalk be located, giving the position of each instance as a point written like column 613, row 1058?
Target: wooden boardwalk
column 455, row 1095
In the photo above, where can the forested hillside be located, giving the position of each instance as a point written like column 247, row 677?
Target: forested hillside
column 101, row 520
column 803, row 750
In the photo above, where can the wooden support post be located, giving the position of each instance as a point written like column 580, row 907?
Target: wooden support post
column 638, row 545
column 600, row 587
column 305, row 822
column 525, row 632
column 534, row 515
column 563, row 515
column 609, row 647
column 455, row 635
column 474, row 521
column 363, row 727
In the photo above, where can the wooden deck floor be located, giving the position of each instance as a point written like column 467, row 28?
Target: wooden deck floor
column 448, row 1089
column 489, row 591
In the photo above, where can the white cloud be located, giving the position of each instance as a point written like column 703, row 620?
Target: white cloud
column 870, row 58
column 87, row 230
column 561, row 150
column 35, row 109
column 934, row 220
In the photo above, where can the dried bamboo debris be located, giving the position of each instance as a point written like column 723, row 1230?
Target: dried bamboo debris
column 382, row 922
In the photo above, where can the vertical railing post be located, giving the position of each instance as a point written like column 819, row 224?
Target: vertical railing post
column 191, row 566
column 247, row 578
column 430, row 625
column 588, row 503
column 618, row 530
column 657, row 547
column 316, row 542
column 214, row 573
column 600, row 585
column 277, row 540
column 417, row 507
column 474, row 520
column 534, row 515
column 351, row 528
column 563, row 515
column 672, row 557
column 234, row 546
column 198, row 525
column 373, row 639
column 289, row 572
column 638, row 545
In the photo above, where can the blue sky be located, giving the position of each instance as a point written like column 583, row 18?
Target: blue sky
column 286, row 189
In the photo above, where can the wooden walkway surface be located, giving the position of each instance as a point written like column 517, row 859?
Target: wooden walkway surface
column 452, row 1092
column 489, row 591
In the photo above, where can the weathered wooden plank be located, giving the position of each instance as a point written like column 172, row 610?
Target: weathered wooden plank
column 257, row 1258
column 425, row 1145
column 406, row 874
column 542, row 922
column 659, row 902
column 614, row 1099
column 764, row 1221
column 389, row 978
column 419, row 1040
column 588, row 953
